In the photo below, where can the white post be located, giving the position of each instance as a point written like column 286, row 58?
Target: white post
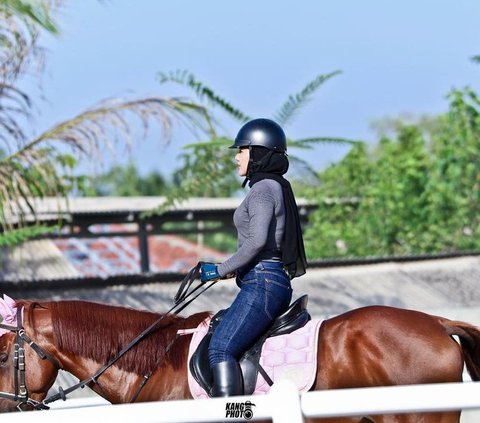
column 287, row 407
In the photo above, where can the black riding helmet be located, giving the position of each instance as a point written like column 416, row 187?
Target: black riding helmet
column 261, row 133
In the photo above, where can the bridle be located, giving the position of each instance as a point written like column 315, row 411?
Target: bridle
column 19, row 366
column 21, row 393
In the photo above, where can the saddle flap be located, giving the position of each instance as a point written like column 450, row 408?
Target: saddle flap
column 200, row 366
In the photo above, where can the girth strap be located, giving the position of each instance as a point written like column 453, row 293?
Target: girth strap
column 264, row 374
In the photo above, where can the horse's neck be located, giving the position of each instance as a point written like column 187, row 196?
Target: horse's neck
column 119, row 385
column 113, row 384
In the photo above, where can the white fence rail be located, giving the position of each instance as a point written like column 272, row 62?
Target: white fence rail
column 282, row 405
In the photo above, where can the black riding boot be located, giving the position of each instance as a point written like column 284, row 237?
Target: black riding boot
column 227, row 379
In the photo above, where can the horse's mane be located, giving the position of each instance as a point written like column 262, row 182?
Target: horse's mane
column 99, row 332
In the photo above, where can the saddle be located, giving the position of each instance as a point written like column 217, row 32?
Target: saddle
column 295, row 317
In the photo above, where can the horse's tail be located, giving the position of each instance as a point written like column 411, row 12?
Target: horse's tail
column 469, row 336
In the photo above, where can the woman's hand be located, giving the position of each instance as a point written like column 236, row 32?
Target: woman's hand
column 208, row 272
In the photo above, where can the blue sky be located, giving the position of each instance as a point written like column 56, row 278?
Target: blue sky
column 395, row 57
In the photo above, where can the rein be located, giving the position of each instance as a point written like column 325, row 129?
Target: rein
column 180, row 298
column 19, row 366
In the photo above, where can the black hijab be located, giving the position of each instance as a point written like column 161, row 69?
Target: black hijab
column 267, row 164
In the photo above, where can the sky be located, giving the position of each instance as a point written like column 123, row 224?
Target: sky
column 395, row 57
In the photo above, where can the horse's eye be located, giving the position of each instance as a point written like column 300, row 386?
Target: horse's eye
column 3, row 358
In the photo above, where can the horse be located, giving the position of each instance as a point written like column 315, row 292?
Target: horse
column 365, row 347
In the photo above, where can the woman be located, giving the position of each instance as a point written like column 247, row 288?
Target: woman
column 270, row 252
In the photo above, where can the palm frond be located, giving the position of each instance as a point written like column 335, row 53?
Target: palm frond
column 202, row 91
column 38, row 169
column 20, row 24
column 300, row 170
column 24, row 178
column 311, row 142
column 475, row 59
column 219, row 142
column 14, row 104
column 92, row 129
column 207, row 170
column 17, row 236
column 296, row 101
column 32, row 13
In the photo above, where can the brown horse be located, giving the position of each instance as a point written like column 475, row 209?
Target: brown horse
column 370, row 346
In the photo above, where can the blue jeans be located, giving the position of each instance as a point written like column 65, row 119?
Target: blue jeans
column 265, row 293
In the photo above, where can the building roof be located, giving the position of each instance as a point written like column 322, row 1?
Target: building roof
column 106, row 256
column 102, row 257
column 50, row 209
column 130, row 204
column 35, row 260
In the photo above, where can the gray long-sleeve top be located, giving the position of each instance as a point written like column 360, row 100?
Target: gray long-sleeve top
column 260, row 223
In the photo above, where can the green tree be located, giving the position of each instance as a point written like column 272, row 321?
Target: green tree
column 396, row 196
column 377, row 200
column 125, row 181
column 454, row 187
column 408, row 196
column 334, row 228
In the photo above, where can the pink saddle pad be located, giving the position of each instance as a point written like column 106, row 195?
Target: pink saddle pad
column 292, row 356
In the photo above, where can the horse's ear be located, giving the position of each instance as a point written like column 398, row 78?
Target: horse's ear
column 8, row 309
column 10, row 301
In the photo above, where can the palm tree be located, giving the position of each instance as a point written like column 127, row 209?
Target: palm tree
column 31, row 169
column 207, row 169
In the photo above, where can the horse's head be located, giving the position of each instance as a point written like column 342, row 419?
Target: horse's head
column 25, row 376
